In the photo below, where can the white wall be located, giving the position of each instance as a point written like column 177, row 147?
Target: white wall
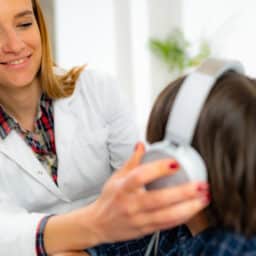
column 137, row 21
column 85, row 34
column 49, row 11
column 164, row 16
column 109, row 35
column 113, row 36
column 228, row 25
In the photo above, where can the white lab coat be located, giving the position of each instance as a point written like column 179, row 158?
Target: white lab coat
column 94, row 135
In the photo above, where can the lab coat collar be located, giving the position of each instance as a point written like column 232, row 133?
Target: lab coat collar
column 15, row 148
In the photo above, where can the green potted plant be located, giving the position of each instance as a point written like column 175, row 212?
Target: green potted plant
column 174, row 52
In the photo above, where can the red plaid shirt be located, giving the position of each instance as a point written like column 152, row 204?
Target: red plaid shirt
column 42, row 142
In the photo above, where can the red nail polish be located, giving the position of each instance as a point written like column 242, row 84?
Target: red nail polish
column 207, row 198
column 203, row 187
column 174, row 165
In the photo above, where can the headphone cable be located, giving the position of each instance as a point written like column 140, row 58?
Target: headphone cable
column 154, row 242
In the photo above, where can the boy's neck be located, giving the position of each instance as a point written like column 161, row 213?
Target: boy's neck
column 198, row 223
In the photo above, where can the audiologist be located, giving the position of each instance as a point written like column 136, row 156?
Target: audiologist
column 62, row 135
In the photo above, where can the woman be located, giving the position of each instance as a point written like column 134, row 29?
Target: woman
column 62, row 135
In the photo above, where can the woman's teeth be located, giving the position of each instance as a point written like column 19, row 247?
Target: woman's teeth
column 16, row 62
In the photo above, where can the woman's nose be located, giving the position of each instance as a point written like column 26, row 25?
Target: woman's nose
column 13, row 43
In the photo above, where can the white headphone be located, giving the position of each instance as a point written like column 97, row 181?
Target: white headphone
column 182, row 122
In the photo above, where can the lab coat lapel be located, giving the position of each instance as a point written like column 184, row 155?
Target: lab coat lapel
column 65, row 123
column 15, row 148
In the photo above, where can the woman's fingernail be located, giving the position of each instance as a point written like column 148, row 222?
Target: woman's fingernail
column 206, row 199
column 137, row 145
column 202, row 187
column 174, row 165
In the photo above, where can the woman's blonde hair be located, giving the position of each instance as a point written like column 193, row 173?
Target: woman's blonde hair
column 55, row 86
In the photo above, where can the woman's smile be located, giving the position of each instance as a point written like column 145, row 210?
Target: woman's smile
column 17, row 63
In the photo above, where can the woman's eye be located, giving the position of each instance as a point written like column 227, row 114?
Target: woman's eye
column 25, row 25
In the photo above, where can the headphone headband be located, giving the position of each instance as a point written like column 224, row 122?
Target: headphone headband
column 191, row 97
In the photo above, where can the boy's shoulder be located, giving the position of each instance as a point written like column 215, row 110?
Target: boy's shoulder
column 210, row 242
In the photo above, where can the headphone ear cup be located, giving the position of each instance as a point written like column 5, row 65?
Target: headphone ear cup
column 192, row 166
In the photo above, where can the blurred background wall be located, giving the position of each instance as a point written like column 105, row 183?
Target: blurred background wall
column 113, row 36
column 49, row 11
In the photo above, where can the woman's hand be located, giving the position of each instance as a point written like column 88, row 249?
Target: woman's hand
column 125, row 210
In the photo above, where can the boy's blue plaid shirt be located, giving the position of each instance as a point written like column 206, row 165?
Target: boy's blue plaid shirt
column 180, row 242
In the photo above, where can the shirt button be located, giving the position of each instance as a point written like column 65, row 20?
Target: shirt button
column 183, row 238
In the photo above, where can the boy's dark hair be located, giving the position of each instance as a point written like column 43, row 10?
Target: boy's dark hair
column 225, row 137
